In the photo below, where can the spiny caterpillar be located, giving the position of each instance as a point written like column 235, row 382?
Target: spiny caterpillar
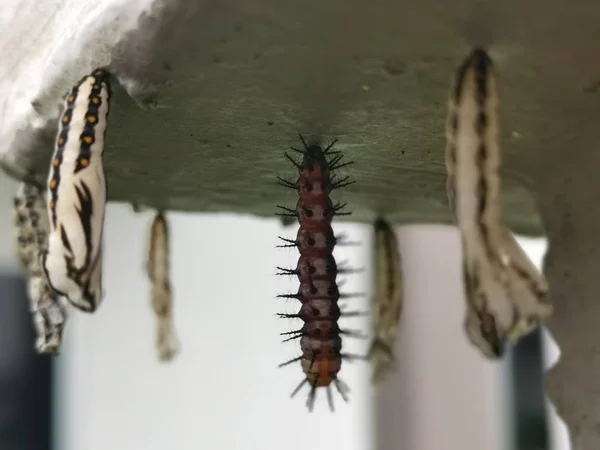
column 157, row 268
column 320, row 340
column 31, row 225
column 507, row 296
column 77, row 194
column 387, row 299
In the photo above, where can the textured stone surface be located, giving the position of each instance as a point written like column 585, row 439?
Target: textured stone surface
column 226, row 86
column 220, row 89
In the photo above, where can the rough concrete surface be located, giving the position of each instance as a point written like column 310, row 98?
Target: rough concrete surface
column 215, row 91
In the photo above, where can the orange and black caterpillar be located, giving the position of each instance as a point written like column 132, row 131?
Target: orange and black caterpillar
column 320, row 340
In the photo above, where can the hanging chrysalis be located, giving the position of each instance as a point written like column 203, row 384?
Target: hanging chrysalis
column 77, row 195
column 157, row 268
column 31, row 225
column 507, row 297
column 387, row 299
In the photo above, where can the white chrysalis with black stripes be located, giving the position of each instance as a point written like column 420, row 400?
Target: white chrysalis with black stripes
column 77, row 195
column 507, row 296
column 31, row 225
column 387, row 300
column 157, row 268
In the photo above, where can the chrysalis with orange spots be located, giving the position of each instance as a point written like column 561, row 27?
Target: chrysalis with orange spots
column 157, row 268
column 48, row 312
column 77, row 195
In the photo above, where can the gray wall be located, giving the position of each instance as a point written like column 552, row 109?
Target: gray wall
column 7, row 188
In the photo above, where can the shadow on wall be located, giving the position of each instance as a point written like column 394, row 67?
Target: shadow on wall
column 25, row 376
column 528, row 415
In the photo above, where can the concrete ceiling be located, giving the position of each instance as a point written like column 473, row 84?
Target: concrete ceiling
column 214, row 91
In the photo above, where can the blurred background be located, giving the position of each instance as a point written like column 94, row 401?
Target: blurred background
column 224, row 390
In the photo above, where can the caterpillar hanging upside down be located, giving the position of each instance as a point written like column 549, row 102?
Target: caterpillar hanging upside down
column 157, row 268
column 320, row 337
column 77, row 195
column 507, row 297
column 31, row 225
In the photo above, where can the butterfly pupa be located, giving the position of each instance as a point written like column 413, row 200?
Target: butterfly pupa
column 77, row 194
column 157, row 269
column 48, row 312
column 387, row 299
column 507, row 296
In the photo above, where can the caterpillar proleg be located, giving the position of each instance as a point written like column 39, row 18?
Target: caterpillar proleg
column 507, row 296
column 31, row 225
column 77, row 195
column 157, row 268
column 387, row 299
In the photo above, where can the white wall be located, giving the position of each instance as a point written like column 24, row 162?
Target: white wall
column 224, row 391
